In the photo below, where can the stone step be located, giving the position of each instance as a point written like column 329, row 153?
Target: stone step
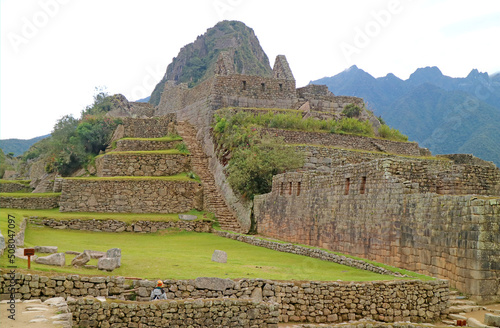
column 458, row 302
column 464, row 308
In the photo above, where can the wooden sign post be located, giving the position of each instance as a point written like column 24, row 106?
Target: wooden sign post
column 29, row 252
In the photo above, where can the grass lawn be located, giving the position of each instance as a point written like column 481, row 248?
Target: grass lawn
column 30, row 194
column 187, row 255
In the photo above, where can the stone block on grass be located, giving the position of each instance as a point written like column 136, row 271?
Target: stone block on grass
column 57, row 259
column 219, row 256
column 46, row 249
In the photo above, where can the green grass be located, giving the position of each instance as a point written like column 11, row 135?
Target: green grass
column 125, row 217
column 24, row 182
column 29, row 194
column 388, row 267
column 187, row 255
column 177, row 177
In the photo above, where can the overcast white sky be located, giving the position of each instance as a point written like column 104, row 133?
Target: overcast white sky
column 55, row 52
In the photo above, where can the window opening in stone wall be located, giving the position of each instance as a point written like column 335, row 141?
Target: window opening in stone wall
column 347, row 184
column 290, row 190
column 281, row 86
column 263, row 86
column 281, row 189
column 298, row 189
column 363, row 185
column 244, row 85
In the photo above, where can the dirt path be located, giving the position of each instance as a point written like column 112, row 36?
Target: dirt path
column 29, row 314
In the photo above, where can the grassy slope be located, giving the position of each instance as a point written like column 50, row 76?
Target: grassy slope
column 185, row 255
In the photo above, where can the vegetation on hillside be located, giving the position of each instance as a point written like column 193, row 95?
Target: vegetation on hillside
column 75, row 142
column 18, row 146
column 254, row 158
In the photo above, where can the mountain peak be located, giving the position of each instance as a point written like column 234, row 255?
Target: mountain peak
column 196, row 61
column 474, row 74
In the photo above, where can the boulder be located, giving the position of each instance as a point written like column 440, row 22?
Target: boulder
column 107, row 263
column 46, row 249
column 492, row 319
column 187, row 217
column 115, row 253
column 213, row 283
column 81, row 259
column 58, row 259
column 219, row 256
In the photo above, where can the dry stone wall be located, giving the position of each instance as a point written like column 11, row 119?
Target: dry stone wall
column 193, row 313
column 142, row 164
column 144, row 145
column 347, row 141
column 319, row 302
column 14, row 187
column 120, row 226
column 155, row 127
column 130, row 195
column 366, row 210
column 321, row 99
column 30, row 202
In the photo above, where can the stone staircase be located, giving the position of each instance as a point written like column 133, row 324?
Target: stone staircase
column 213, row 200
column 459, row 307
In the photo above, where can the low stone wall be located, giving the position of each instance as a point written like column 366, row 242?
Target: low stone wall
column 32, row 203
column 130, row 195
column 186, row 313
column 346, row 141
column 141, row 164
column 389, row 301
column 310, row 252
column 144, row 145
column 14, row 187
column 41, row 287
column 119, row 226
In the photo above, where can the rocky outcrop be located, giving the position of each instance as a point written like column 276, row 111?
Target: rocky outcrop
column 201, row 56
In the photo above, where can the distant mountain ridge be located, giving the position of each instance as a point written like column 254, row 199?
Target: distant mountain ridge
column 19, row 146
column 445, row 114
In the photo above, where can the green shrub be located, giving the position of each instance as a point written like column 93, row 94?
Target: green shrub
column 182, row 148
column 353, row 126
column 351, row 111
column 392, row 134
column 251, row 169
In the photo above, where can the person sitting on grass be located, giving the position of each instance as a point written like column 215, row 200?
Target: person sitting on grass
column 158, row 293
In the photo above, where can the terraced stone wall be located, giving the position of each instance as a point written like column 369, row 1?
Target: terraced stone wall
column 155, row 127
column 130, row 195
column 142, row 164
column 144, row 145
column 348, row 142
column 14, row 187
column 369, row 210
column 33, row 203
